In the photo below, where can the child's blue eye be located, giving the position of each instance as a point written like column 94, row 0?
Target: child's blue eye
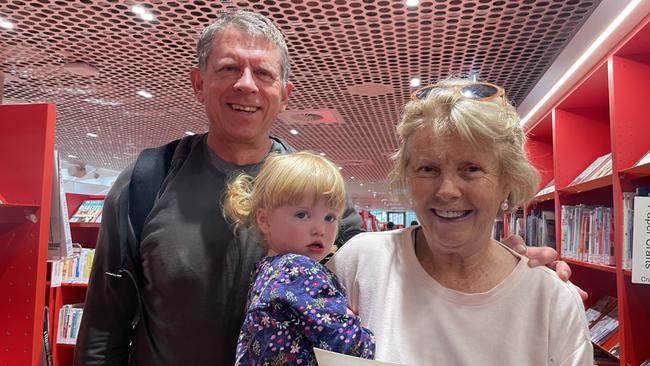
column 301, row 215
column 330, row 218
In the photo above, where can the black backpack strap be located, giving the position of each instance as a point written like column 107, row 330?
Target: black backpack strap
column 148, row 174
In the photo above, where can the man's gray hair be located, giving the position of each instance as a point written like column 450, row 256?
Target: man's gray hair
column 250, row 23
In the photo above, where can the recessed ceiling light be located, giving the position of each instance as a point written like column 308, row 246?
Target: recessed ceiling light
column 340, row 168
column 415, row 82
column 322, row 154
column 145, row 94
column 90, row 134
column 361, row 184
column 189, row 133
column 138, row 9
column 6, row 24
column 147, row 16
column 293, row 131
column 351, row 177
column 412, row 3
column 72, row 156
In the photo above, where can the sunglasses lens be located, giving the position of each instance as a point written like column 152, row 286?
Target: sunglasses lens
column 423, row 93
column 478, row 91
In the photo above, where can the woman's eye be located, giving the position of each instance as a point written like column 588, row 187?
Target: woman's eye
column 425, row 169
column 301, row 215
column 473, row 169
column 330, row 218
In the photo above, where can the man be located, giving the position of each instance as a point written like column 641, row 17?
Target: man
column 189, row 305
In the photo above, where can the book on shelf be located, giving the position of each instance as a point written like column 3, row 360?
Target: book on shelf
column 47, row 347
column 60, row 241
column 69, row 321
column 540, row 228
column 641, row 239
column 588, row 233
column 329, row 358
column 645, row 363
column 548, row 188
column 89, row 211
column 605, row 328
column 73, row 270
column 600, row 167
column 598, row 309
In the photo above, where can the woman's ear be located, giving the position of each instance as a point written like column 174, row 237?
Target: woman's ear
column 262, row 218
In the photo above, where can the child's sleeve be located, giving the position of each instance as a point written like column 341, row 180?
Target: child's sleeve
column 319, row 303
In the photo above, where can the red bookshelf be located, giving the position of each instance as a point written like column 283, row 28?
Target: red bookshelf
column 71, row 293
column 606, row 112
column 26, row 160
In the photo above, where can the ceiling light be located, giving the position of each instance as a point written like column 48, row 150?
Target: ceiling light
column 412, row 3
column 293, row 131
column 322, row 154
column 585, row 55
column 415, row 82
column 147, row 16
column 340, row 168
column 145, row 94
column 6, row 24
column 189, row 133
column 361, row 184
column 351, row 177
column 138, row 10
column 72, row 156
column 89, row 134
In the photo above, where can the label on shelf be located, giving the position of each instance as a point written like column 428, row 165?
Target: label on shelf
column 641, row 241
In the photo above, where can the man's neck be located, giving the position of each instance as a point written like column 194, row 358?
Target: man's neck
column 239, row 153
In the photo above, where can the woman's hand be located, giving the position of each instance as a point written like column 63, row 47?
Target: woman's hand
column 539, row 256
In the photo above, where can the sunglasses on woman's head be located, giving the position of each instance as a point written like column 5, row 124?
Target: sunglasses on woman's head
column 477, row 91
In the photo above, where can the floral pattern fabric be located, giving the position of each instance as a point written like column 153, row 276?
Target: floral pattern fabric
column 295, row 304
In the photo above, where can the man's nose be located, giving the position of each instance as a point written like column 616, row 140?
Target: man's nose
column 246, row 82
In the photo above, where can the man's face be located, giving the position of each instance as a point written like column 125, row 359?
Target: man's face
column 241, row 88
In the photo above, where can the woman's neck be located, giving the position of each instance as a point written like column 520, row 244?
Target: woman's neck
column 477, row 272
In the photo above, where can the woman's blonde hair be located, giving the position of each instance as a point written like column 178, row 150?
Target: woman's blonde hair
column 492, row 124
column 283, row 180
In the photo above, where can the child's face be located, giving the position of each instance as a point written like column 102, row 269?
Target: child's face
column 306, row 228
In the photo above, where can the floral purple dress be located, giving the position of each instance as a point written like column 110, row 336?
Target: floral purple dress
column 295, row 304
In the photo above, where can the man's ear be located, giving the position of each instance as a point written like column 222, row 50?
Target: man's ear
column 285, row 98
column 262, row 218
column 197, row 83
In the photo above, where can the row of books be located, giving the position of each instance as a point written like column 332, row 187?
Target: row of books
column 69, row 320
column 73, row 270
column 602, row 318
column 540, row 228
column 588, row 234
column 600, row 167
column 638, row 198
column 89, row 211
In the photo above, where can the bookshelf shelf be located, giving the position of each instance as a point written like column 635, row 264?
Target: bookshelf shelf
column 589, row 185
column 637, row 171
column 600, row 267
column 544, row 197
column 17, row 213
column 85, row 225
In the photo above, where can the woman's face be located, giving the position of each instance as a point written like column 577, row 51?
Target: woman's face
column 455, row 191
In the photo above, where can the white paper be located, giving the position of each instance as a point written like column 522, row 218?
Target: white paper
column 328, row 358
column 641, row 241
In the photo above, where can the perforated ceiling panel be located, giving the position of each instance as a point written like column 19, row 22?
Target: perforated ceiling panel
column 352, row 63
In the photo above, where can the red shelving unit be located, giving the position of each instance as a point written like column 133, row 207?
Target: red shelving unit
column 71, row 293
column 26, row 160
column 608, row 111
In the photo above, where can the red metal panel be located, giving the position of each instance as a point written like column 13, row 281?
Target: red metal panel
column 26, row 159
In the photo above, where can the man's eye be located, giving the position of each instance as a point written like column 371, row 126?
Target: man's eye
column 229, row 69
column 264, row 75
column 330, row 218
column 301, row 215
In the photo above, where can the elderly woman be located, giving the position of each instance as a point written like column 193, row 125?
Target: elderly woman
column 445, row 292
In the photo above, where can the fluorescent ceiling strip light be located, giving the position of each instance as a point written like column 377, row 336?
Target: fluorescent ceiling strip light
column 594, row 46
